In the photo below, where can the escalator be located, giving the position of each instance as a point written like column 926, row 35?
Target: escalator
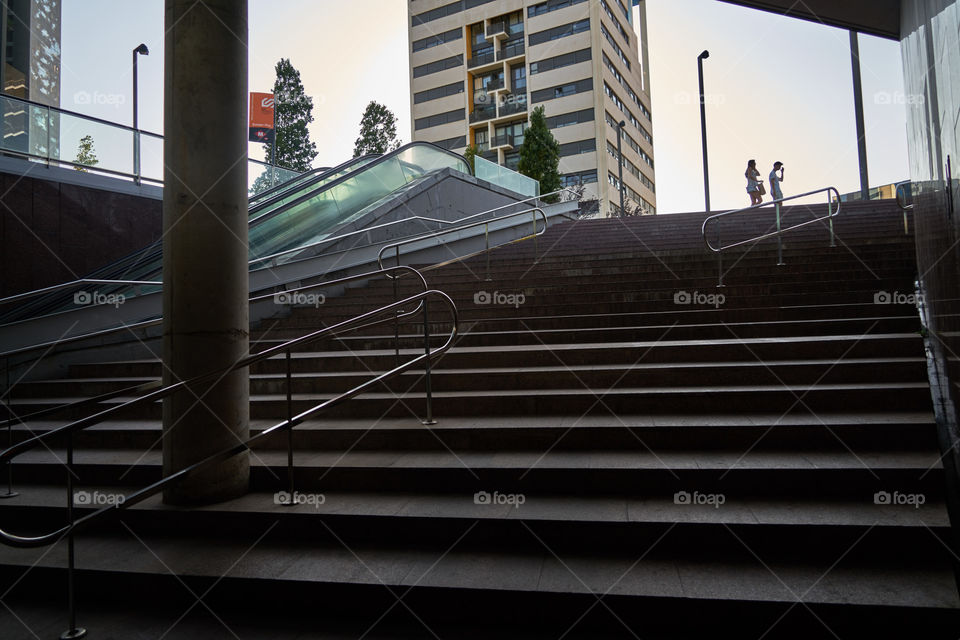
column 308, row 208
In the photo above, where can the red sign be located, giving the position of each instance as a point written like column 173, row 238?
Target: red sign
column 261, row 117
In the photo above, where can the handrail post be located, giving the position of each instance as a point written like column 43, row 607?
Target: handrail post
column 719, row 258
column 486, row 238
column 6, row 403
column 833, row 241
column 396, row 314
column 426, row 349
column 289, row 430
column 536, row 250
column 780, row 262
column 73, row 632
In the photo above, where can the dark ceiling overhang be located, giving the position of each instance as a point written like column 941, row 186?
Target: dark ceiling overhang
column 875, row 17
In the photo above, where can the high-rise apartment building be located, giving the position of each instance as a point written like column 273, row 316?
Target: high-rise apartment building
column 479, row 67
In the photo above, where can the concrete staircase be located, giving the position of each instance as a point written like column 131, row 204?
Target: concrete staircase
column 622, row 450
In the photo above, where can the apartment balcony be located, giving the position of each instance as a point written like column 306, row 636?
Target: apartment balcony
column 512, row 49
column 484, row 112
column 511, row 104
column 498, row 28
column 503, row 140
column 487, row 59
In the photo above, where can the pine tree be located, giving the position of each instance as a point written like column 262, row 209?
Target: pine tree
column 294, row 111
column 540, row 155
column 86, row 154
column 378, row 131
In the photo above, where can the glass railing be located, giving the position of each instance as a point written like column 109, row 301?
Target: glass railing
column 511, row 49
column 312, row 218
column 59, row 137
column 480, row 59
column 516, row 182
column 481, row 113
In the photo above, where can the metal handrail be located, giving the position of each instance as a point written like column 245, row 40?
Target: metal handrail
column 158, row 321
column 73, row 283
column 904, row 207
column 396, row 245
column 361, row 321
column 831, row 214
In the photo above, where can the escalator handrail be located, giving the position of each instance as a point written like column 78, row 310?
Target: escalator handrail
column 278, row 192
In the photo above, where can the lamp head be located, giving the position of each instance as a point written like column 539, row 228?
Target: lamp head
column 622, row 124
column 704, row 55
column 142, row 50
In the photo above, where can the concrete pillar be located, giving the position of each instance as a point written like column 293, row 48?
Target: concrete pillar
column 858, row 112
column 205, row 282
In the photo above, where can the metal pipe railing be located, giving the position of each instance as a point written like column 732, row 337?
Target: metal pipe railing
column 901, row 187
column 426, row 236
column 358, row 322
column 778, row 234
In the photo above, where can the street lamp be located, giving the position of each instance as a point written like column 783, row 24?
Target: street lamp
column 703, row 131
column 142, row 50
column 620, row 126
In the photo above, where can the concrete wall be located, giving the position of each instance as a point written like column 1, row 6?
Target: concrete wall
column 58, row 225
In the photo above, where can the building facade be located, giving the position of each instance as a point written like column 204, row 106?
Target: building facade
column 30, row 41
column 479, row 67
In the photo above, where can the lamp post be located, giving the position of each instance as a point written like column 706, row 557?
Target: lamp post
column 703, row 131
column 620, row 126
column 142, row 50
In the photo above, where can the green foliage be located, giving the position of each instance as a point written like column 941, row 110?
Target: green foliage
column 378, row 131
column 86, row 154
column 294, row 111
column 540, row 155
column 471, row 152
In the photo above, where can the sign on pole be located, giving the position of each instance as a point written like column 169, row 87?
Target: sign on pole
column 261, row 117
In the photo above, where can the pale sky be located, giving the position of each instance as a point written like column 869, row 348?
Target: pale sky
column 778, row 88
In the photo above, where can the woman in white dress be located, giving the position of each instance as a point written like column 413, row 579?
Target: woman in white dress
column 753, row 183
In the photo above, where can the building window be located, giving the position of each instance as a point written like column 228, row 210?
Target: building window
column 437, row 39
column 567, row 119
column 550, row 5
column 438, row 92
column 562, row 90
column 557, row 62
column 562, row 31
column 435, row 14
column 518, row 78
column 439, row 65
column 452, row 143
column 575, row 179
column 438, row 119
column 578, row 147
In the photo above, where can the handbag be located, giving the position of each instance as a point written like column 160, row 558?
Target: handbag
column 761, row 189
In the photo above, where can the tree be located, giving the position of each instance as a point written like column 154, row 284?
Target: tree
column 378, row 131
column 469, row 154
column 294, row 111
column 86, row 154
column 540, row 155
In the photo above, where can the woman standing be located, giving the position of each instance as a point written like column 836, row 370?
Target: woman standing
column 753, row 184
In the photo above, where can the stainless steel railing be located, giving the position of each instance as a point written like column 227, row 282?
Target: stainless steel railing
column 778, row 234
column 903, row 189
column 371, row 318
column 484, row 223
